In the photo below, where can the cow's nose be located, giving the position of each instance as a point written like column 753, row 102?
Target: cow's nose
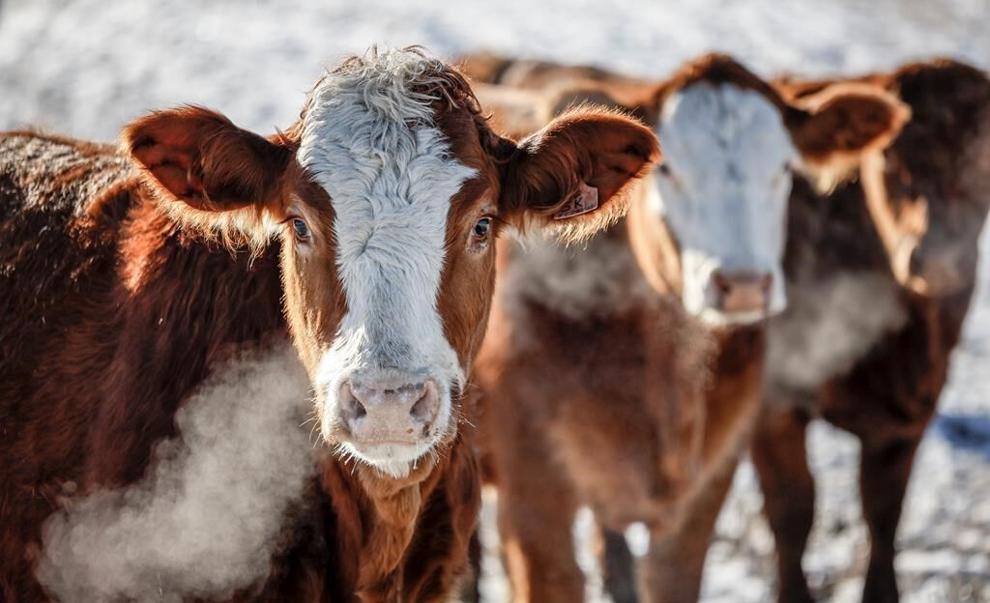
column 742, row 291
column 389, row 411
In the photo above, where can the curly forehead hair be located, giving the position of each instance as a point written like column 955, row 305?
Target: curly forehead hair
column 407, row 72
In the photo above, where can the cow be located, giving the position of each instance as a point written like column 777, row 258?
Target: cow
column 626, row 375
column 881, row 274
column 364, row 233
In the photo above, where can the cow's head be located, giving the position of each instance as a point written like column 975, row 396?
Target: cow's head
column 927, row 194
column 386, row 197
column 731, row 143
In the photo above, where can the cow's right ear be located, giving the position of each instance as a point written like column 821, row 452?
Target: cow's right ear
column 834, row 128
column 197, row 156
column 571, row 175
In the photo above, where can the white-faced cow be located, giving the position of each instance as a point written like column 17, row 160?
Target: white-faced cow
column 125, row 280
column 626, row 375
column 881, row 273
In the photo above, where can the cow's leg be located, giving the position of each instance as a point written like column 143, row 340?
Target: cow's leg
column 885, row 468
column 781, row 461
column 671, row 571
column 618, row 566
column 536, row 508
column 470, row 588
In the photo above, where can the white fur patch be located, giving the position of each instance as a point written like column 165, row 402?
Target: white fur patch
column 370, row 140
column 209, row 515
column 725, row 197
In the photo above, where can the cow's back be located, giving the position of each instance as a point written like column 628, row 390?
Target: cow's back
column 60, row 206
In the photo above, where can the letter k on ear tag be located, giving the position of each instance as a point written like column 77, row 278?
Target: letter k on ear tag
column 585, row 200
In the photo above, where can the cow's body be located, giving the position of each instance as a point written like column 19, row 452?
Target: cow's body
column 630, row 424
column 78, row 355
column 866, row 350
column 79, row 237
column 148, row 290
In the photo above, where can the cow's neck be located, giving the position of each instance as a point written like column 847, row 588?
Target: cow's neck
column 183, row 306
column 376, row 519
column 652, row 243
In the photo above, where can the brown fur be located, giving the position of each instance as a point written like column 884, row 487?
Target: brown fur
column 888, row 394
column 648, row 410
column 125, row 278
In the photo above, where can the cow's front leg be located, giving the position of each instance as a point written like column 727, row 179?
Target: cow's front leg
column 536, row 508
column 671, row 571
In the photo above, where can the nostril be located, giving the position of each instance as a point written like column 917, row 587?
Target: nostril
column 721, row 282
column 425, row 408
column 350, row 407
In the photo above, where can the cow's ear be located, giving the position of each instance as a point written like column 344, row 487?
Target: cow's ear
column 841, row 123
column 571, row 175
column 197, row 156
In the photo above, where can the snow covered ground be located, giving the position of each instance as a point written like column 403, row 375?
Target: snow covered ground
column 85, row 67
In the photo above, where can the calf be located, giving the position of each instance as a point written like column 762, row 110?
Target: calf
column 881, row 274
column 626, row 375
column 128, row 276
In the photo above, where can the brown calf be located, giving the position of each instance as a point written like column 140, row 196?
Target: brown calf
column 626, row 375
column 881, row 273
column 128, row 277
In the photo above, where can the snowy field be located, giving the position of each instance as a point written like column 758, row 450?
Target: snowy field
column 84, row 68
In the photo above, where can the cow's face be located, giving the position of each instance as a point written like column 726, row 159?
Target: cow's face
column 722, row 191
column 927, row 195
column 387, row 197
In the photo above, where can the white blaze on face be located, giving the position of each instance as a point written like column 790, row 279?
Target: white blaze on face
column 727, row 155
column 370, row 140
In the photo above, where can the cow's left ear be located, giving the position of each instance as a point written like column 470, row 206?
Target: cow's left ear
column 198, row 157
column 571, row 175
column 843, row 122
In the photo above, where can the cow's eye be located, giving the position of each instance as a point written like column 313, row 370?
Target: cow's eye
column 664, row 169
column 483, row 228
column 300, row 229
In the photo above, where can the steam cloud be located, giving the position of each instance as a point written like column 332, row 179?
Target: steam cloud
column 828, row 326
column 207, row 518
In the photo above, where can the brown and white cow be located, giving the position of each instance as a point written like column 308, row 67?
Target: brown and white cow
column 626, row 375
column 881, row 273
column 128, row 277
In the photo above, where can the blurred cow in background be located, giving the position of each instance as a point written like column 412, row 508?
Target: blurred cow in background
column 880, row 273
column 626, row 375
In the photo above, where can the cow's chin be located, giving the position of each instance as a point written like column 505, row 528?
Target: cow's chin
column 392, row 459
column 719, row 319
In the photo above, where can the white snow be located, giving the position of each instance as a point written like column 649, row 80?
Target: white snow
column 85, row 67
